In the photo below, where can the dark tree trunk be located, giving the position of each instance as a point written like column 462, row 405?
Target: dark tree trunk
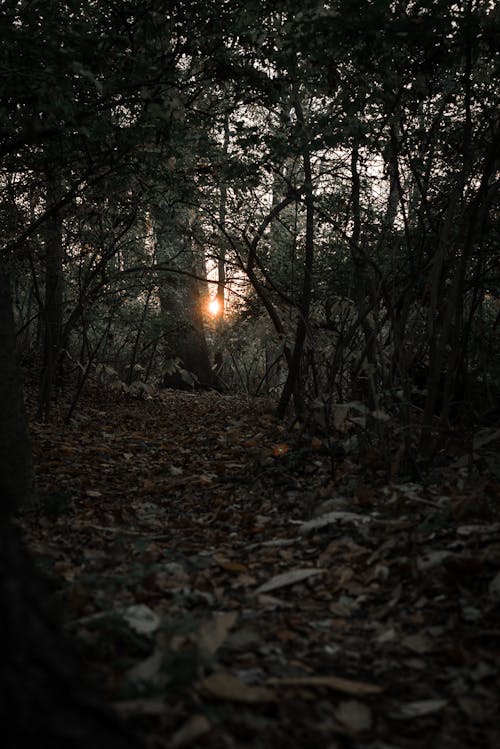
column 17, row 484
column 43, row 703
column 182, row 304
column 293, row 385
column 53, row 304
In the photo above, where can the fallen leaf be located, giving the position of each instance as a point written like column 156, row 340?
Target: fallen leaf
column 141, row 619
column 229, row 566
column 418, row 643
column 194, row 728
column 333, row 517
column 494, row 586
column 205, row 480
column 151, row 706
column 288, row 578
column 337, row 683
column 225, row 686
column 150, row 486
column 213, row 632
column 419, row 708
column 432, row 559
column 279, row 450
column 354, row 715
column 148, row 669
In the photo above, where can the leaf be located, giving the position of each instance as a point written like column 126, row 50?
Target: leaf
column 337, row 683
column 432, row 559
column 205, row 479
column 150, row 487
column 484, row 437
column 419, row 708
column 141, row 619
column 333, row 517
column 194, row 728
column 128, row 708
column 288, row 578
column 225, row 686
column 354, row 715
column 213, row 632
column 148, row 669
column 418, row 643
column 280, row 450
column 494, row 586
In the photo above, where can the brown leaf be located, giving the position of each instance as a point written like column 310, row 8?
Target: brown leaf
column 229, row 566
column 224, row 686
column 212, row 633
column 338, row 684
column 194, row 728
column 354, row 715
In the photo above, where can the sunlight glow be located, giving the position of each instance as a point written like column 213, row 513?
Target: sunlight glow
column 214, row 307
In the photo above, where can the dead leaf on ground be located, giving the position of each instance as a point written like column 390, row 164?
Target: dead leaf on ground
column 225, row 686
column 356, row 716
column 194, row 728
column 337, row 683
column 154, row 706
column 418, row 708
column 213, row 633
column 288, row 578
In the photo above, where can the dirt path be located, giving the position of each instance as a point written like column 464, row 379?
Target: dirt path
column 227, row 590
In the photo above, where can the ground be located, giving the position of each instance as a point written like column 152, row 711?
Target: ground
column 231, row 581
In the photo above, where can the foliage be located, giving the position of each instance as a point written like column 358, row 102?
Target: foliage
column 341, row 159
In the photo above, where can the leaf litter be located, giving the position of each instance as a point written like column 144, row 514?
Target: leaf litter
column 225, row 589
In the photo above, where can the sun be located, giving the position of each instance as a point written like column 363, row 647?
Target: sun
column 214, row 307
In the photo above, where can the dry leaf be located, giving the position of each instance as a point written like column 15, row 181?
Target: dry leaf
column 419, row 708
column 224, row 686
column 279, row 450
column 129, row 708
column 494, row 586
column 195, row 727
column 148, row 669
column 418, row 643
column 288, row 578
column 141, row 619
column 354, row 715
column 346, row 686
column 229, row 566
column 333, row 517
column 213, row 632
column 150, row 486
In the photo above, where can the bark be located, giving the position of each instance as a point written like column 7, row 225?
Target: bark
column 182, row 306
column 292, row 385
column 221, row 261
column 17, row 483
column 53, row 303
column 43, row 702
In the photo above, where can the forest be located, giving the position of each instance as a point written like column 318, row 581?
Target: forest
column 250, row 374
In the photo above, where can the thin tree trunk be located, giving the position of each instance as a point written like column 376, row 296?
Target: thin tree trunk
column 292, row 385
column 53, row 302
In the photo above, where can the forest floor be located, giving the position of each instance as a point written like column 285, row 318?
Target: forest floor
column 229, row 588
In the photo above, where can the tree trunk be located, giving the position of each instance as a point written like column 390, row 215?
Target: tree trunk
column 17, row 483
column 292, row 385
column 53, row 303
column 184, row 329
column 42, row 701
